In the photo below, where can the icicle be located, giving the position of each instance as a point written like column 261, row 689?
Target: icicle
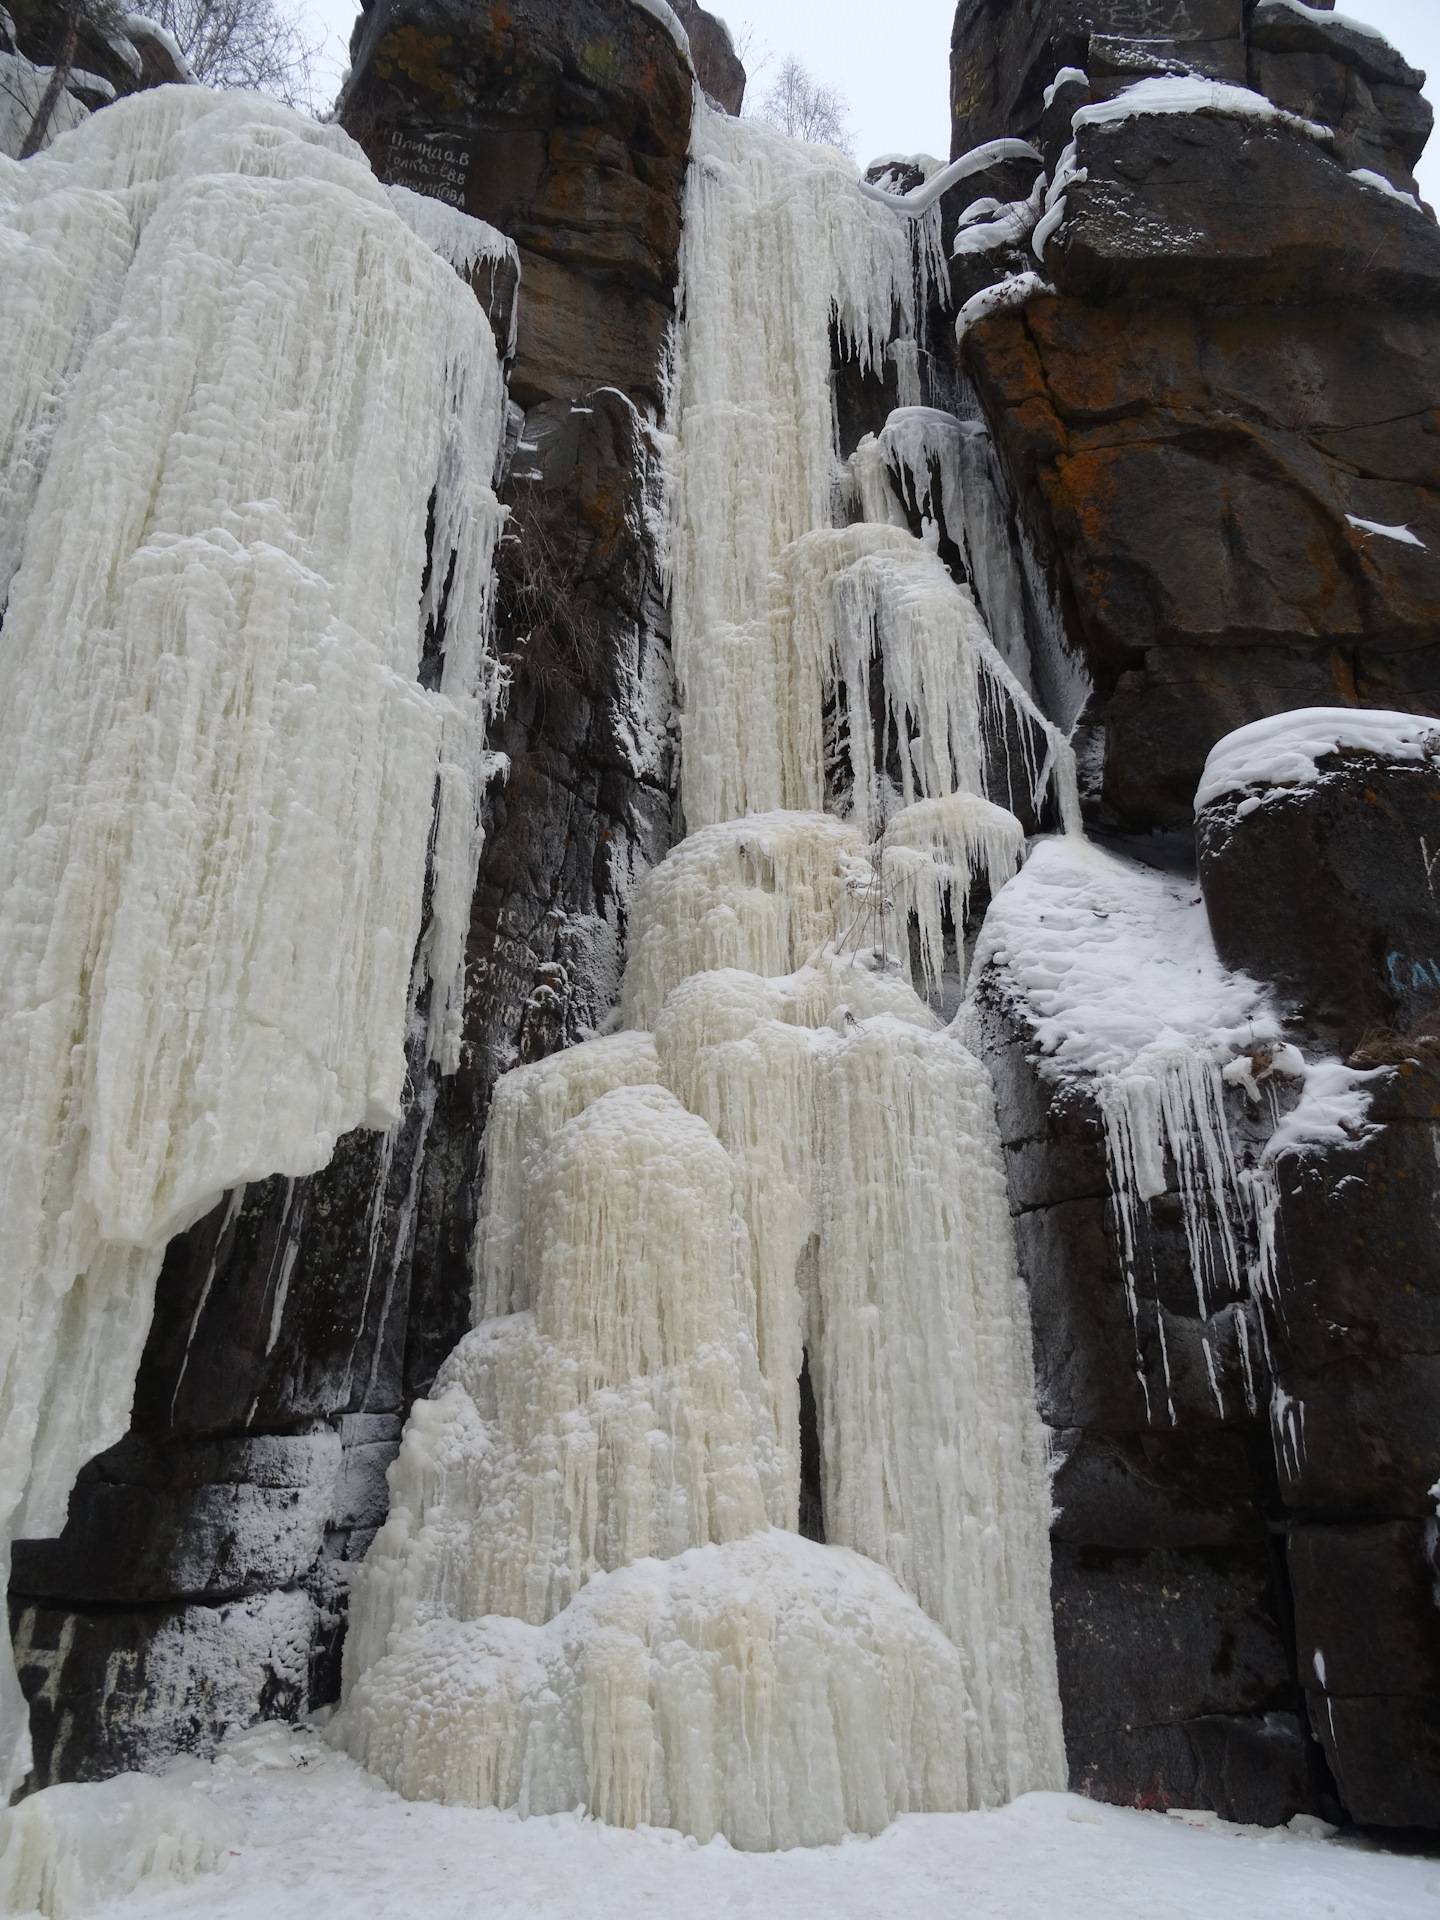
column 762, row 894
column 527, row 1110
column 934, row 1459
column 799, row 1156
column 623, row 1416
column 928, row 860
column 220, row 761
column 777, row 242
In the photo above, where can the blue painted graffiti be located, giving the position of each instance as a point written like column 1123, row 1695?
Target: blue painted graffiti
column 1405, row 976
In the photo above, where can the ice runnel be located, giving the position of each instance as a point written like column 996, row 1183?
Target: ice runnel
column 235, row 382
column 591, row 1587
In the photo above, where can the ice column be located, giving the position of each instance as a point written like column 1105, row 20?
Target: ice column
column 590, row 1588
column 234, row 381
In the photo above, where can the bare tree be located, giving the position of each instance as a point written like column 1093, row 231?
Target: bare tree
column 799, row 105
column 101, row 15
column 241, row 43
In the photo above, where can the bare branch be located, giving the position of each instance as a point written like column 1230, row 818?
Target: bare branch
column 799, row 105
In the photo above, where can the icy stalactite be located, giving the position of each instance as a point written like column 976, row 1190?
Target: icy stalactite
column 798, row 1157
column 529, row 1107
column 221, row 763
column 929, row 859
column 1118, row 974
column 761, row 894
column 620, row 1417
column 773, row 1691
column 777, row 241
column 933, row 1456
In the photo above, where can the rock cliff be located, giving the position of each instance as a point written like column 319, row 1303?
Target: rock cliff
column 1182, row 447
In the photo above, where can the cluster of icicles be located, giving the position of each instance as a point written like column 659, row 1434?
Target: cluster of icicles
column 235, row 380
column 591, row 1588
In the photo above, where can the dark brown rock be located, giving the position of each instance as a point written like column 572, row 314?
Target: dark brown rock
column 1216, row 208
column 1188, row 472
column 1004, row 53
column 567, row 127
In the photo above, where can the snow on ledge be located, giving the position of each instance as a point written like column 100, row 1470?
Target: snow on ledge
column 1013, row 291
column 1368, row 178
column 670, row 20
column 1184, row 93
column 1322, row 20
column 1062, row 78
column 1402, row 534
column 1283, row 750
column 920, row 199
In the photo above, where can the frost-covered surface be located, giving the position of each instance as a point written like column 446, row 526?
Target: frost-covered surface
column 576, row 1596
column 70, row 1849
column 220, row 762
column 854, row 1702
column 1187, row 93
column 319, row 1839
column 1282, row 751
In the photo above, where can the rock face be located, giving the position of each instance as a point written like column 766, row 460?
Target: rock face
column 208, row 1557
column 565, row 126
column 1228, row 390
column 1215, row 412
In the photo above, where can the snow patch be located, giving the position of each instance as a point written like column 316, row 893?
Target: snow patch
column 1282, row 751
column 1015, row 290
column 69, row 1849
column 1186, row 93
column 1377, row 527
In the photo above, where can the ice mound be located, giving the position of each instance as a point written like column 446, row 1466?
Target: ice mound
column 70, row 1849
column 771, row 1690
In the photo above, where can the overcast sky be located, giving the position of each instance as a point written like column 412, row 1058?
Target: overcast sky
column 892, row 64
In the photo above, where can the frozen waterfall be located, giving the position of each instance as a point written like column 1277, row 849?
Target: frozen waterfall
column 591, row 1587
column 234, row 378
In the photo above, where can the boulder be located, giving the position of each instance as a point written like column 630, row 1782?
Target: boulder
column 198, row 1520
column 1192, row 477
column 1327, row 889
column 718, row 67
column 1370, row 1659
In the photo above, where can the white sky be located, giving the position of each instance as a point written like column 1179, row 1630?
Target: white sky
column 893, row 65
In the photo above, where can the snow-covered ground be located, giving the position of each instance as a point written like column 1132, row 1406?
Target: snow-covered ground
column 318, row 1839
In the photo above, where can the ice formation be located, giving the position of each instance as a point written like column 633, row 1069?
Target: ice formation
column 70, row 1849
column 1121, row 985
column 776, row 1692
column 226, row 781
column 590, row 1588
